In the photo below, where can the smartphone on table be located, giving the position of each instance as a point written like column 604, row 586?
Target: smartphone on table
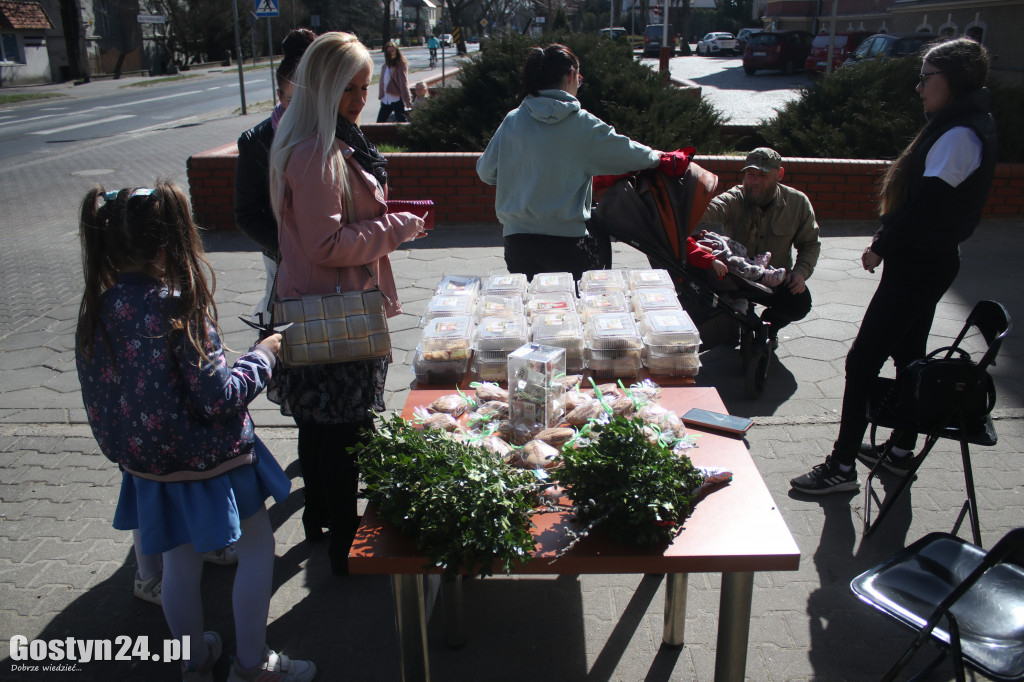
column 716, row 421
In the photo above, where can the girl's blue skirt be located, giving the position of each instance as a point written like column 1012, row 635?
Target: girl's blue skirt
column 205, row 513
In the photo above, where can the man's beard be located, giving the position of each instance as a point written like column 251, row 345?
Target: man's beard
column 762, row 200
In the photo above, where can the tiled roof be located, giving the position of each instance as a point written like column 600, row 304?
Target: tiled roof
column 22, row 15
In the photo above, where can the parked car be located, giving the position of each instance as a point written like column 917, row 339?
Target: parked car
column 617, row 33
column 743, row 36
column 716, row 43
column 652, row 40
column 784, row 51
column 886, row 45
column 844, row 45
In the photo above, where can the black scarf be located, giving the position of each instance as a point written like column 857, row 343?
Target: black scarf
column 366, row 154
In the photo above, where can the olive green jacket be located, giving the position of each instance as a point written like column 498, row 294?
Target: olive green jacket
column 786, row 223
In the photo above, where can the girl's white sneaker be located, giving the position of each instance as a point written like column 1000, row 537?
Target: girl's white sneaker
column 275, row 668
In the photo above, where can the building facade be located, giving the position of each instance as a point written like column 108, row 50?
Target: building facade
column 24, row 59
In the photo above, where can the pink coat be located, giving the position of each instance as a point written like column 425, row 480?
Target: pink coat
column 318, row 242
column 397, row 84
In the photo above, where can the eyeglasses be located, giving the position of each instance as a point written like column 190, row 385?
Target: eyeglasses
column 923, row 77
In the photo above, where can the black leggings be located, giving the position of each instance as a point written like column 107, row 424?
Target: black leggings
column 896, row 325
column 330, row 474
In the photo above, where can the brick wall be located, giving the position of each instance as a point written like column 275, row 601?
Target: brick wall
column 839, row 189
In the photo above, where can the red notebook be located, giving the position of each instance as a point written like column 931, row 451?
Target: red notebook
column 424, row 208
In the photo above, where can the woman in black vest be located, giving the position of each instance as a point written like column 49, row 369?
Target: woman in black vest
column 931, row 200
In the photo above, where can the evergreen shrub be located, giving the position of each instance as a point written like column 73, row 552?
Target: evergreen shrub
column 616, row 88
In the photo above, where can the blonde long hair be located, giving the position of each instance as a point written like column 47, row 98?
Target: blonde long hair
column 326, row 69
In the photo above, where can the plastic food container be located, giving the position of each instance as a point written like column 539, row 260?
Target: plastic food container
column 448, row 305
column 501, row 334
column 561, row 330
column 449, row 335
column 458, row 284
column 490, row 305
column 618, row 364
column 552, row 302
column 548, row 282
column 673, row 365
column 602, row 281
column 612, row 331
column 645, row 300
column 450, row 371
column 650, row 279
column 592, row 303
column 668, row 332
column 506, row 285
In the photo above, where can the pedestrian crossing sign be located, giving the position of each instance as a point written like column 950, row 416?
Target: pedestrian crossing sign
column 266, row 8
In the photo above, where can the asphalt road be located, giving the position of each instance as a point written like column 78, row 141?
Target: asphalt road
column 140, row 105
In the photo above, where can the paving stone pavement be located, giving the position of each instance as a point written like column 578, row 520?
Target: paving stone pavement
column 64, row 572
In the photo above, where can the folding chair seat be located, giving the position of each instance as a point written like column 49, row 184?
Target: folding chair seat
column 967, row 602
column 992, row 321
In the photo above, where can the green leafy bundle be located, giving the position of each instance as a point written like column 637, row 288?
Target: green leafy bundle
column 640, row 493
column 464, row 507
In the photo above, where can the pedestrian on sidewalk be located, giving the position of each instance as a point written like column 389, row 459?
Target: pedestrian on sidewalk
column 393, row 89
column 329, row 187
column 254, row 215
column 165, row 406
column 931, row 200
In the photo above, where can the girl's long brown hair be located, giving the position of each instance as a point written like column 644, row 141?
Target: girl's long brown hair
column 130, row 232
column 964, row 64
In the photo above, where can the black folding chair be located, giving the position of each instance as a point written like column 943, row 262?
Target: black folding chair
column 978, row 596
column 993, row 322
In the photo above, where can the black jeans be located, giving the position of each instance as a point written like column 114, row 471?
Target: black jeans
column 396, row 108
column 896, row 325
column 531, row 254
column 782, row 306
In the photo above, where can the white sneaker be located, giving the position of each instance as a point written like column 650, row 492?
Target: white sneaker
column 225, row 556
column 149, row 590
column 205, row 673
column 275, row 668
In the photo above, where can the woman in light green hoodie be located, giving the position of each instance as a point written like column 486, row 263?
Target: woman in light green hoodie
column 542, row 160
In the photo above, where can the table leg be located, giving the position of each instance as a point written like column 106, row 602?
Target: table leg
column 733, row 626
column 411, row 621
column 454, row 620
column 675, row 608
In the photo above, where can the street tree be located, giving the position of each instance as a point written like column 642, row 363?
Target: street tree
column 455, row 10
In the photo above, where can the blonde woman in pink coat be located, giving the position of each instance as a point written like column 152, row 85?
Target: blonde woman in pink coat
column 328, row 187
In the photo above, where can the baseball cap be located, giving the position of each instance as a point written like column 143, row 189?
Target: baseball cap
column 763, row 159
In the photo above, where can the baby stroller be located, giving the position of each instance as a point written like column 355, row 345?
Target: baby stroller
column 654, row 213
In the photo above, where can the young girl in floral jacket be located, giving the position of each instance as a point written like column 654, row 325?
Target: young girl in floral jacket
column 165, row 406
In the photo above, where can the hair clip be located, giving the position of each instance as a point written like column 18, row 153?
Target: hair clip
column 111, row 195
column 141, row 192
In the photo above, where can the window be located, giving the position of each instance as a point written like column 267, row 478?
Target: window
column 10, row 51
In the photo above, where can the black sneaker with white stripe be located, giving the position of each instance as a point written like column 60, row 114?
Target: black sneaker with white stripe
column 869, row 456
column 826, row 478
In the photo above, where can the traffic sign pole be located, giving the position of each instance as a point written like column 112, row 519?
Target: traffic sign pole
column 238, row 54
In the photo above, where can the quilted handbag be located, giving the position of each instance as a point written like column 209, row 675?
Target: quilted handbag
column 327, row 328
